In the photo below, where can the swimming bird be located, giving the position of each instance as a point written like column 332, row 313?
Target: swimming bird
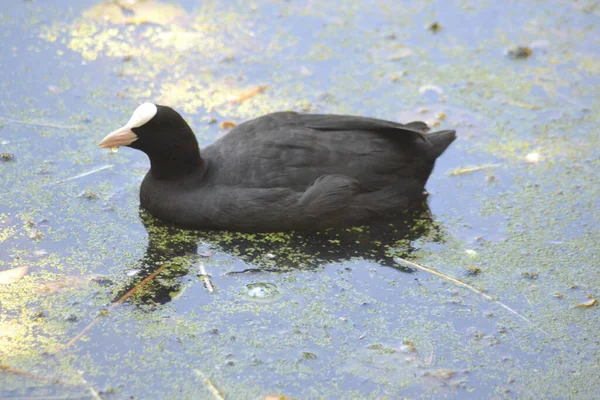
column 280, row 172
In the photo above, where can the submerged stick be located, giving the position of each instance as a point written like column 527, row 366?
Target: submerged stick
column 211, row 387
column 81, row 175
column 466, row 170
column 206, row 278
column 16, row 371
column 116, row 304
column 93, row 392
column 465, row 285
column 44, row 124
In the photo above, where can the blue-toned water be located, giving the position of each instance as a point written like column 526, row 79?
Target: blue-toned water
column 98, row 300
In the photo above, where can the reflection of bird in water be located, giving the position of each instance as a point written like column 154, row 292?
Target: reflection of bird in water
column 178, row 249
column 280, row 172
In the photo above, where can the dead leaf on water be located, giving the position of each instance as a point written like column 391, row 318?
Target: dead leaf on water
column 519, row 52
column 520, row 104
column 588, row 304
column 108, row 11
column 12, row 275
column 466, row 170
column 11, row 329
column 59, row 285
column 530, row 274
column 533, row 157
column 248, row 94
column 430, row 88
column 471, row 253
column 441, row 375
column 86, row 194
column 473, row 270
column 434, row 27
column 148, row 11
column 401, row 53
column 408, row 347
column 36, row 235
column 227, row 125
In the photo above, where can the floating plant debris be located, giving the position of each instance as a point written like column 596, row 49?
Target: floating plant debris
column 262, row 291
column 466, row 170
column 519, row 52
column 249, row 94
column 434, row 27
column 227, row 125
column 533, row 157
column 587, row 304
column 12, row 275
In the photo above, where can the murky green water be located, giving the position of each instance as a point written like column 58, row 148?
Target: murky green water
column 328, row 316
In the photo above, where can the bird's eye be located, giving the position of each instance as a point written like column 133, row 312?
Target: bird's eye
column 144, row 113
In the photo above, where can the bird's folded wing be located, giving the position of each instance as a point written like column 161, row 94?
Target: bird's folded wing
column 411, row 131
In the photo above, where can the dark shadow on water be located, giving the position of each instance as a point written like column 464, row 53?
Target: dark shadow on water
column 183, row 249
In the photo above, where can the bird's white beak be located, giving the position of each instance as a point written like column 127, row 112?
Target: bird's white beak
column 121, row 137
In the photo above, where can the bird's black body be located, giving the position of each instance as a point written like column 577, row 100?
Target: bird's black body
column 286, row 171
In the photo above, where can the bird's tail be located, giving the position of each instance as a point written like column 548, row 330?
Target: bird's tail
column 440, row 141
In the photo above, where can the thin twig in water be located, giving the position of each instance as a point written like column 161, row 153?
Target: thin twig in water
column 42, row 397
column 44, row 124
column 531, row 305
column 81, row 175
column 16, row 371
column 93, row 392
column 465, row 285
column 116, row 304
column 211, row 387
column 430, row 363
column 206, row 278
column 461, row 171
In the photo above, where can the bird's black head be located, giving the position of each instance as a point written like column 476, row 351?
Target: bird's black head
column 162, row 134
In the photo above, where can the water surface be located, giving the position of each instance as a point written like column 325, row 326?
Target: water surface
column 321, row 317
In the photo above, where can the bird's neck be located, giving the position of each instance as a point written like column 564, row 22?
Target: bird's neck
column 176, row 164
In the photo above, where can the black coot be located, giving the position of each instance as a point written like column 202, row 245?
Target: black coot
column 283, row 171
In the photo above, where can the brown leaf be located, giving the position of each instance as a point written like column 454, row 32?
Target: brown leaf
column 227, row 125
column 12, row 275
column 587, row 304
column 249, row 94
column 441, row 375
column 148, row 11
column 461, row 171
column 60, row 285
column 519, row 52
